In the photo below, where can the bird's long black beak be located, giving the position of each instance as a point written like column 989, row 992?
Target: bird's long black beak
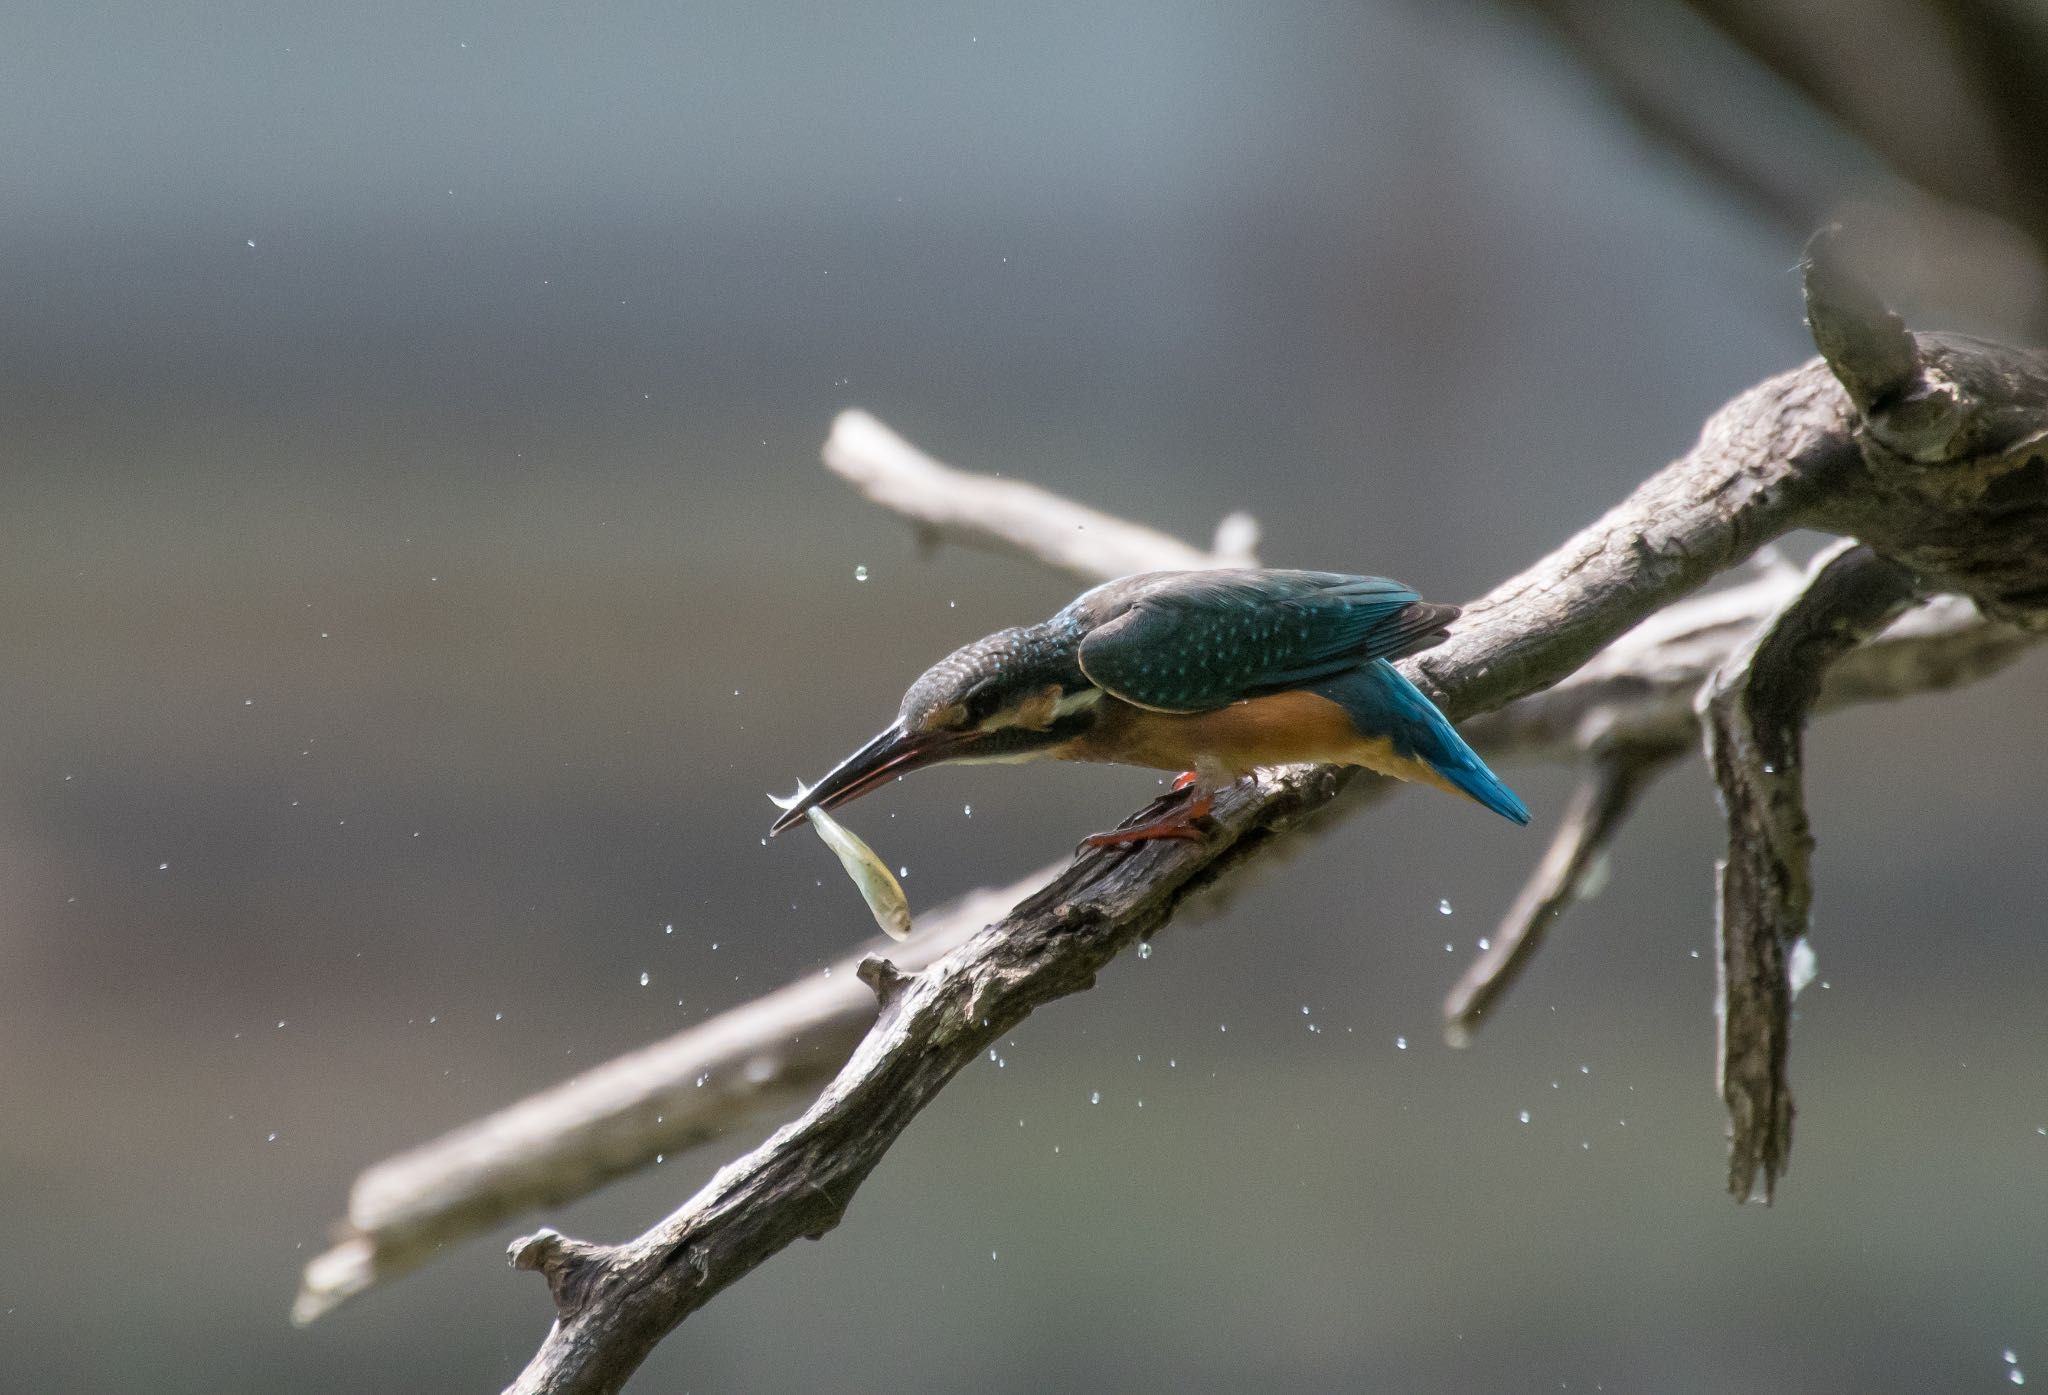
column 895, row 752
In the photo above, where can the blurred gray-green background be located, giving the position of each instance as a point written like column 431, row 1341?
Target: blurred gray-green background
column 414, row 566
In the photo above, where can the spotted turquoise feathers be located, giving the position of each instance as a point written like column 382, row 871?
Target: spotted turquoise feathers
column 1195, row 641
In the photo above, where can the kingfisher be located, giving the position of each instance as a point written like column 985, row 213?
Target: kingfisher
column 1211, row 673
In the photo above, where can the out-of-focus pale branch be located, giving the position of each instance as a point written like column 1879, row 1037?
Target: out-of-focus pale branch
column 757, row 1061
column 946, row 504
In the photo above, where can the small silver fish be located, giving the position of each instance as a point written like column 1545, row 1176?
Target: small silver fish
column 878, row 885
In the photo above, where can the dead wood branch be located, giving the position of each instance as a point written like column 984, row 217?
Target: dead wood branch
column 1754, row 716
column 945, row 504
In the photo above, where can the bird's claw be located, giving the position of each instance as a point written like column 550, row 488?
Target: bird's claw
column 1178, row 815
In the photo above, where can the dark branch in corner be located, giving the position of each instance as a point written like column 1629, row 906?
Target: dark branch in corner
column 1754, row 716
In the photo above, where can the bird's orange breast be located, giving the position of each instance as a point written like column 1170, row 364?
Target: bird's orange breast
column 1281, row 729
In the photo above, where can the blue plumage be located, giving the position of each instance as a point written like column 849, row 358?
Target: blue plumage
column 1381, row 702
column 1193, row 641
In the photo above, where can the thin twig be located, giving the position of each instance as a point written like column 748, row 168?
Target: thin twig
column 1754, row 715
column 1570, row 871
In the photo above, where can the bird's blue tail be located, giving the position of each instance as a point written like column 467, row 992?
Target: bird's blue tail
column 1383, row 703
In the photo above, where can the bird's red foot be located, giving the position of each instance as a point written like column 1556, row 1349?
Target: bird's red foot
column 1176, row 822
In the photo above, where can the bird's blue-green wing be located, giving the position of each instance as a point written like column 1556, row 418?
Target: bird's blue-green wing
column 1195, row 641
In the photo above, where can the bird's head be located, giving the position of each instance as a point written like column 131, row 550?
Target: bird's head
column 1013, row 696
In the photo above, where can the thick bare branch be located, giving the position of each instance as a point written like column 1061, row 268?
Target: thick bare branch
column 946, row 504
column 760, row 1060
column 1754, row 716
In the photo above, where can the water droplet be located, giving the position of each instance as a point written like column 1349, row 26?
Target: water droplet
column 2016, row 1376
column 1095, row 1097
column 643, row 978
column 1450, row 948
column 163, row 867
column 1304, row 1009
column 497, row 1017
column 1400, row 1043
column 967, row 809
column 1144, row 949
column 1800, row 966
column 700, row 1081
column 668, row 929
column 271, row 1138
column 1443, row 908
column 2010, row 1358
column 1485, row 943
column 1523, row 1116
column 860, row 573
